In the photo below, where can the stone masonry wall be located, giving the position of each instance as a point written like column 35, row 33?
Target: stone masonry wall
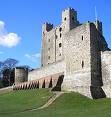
column 48, row 70
column 96, row 79
column 21, row 75
column 48, row 47
column 78, row 59
column 97, row 44
column 59, row 42
column 106, row 66
column 106, row 72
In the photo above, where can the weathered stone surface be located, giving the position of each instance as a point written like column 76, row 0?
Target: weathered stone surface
column 106, row 66
column 21, row 75
column 53, row 68
column 106, row 72
column 107, row 89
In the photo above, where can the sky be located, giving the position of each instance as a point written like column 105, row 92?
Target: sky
column 21, row 24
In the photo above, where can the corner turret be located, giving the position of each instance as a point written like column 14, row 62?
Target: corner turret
column 69, row 19
column 47, row 27
column 98, row 25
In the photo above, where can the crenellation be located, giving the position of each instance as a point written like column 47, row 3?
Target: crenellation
column 69, row 19
column 48, row 47
column 47, row 27
column 98, row 25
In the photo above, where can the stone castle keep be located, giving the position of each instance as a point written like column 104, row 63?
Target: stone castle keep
column 75, row 57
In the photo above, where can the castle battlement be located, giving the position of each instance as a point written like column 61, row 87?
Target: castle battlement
column 47, row 27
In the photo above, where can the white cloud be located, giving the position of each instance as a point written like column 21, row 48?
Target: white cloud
column 8, row 39
column 33, row 57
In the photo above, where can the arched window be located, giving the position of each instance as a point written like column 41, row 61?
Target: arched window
column 73, row 18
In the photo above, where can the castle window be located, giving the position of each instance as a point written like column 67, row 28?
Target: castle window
column 56, row 36
column 49, row 40
column 43, row 33
column 60, row 29
column 82, row 64
column 60, row 54
column 49, row 49
column 65, row 19
column 60, row 44
column 73, row 18
column 48, row 57
column 82, row 37
column 60, row 35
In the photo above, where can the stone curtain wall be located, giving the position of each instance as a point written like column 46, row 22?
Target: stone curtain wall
column 106, row 66
column 106, row 72
column 53, row 81
column 48, row 70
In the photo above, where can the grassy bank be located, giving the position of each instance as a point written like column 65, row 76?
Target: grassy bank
column 68, row 105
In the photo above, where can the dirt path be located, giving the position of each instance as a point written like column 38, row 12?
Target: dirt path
column 7, row 89
column 50, row 101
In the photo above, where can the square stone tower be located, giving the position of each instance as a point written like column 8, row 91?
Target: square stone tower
column 48, row 44
column 52, row 38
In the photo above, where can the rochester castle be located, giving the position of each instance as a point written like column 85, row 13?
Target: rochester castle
column 75, row 57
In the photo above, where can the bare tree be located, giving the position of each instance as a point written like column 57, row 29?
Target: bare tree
column 7, row 68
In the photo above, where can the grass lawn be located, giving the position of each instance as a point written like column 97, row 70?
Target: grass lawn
column 23, row 100
column 68, row 105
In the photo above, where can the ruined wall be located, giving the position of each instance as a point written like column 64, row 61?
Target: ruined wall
column 53, row 82
column 48, row 70
column 21, row 75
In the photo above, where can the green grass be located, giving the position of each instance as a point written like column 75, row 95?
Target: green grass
column 68, row 105
column 18, row 101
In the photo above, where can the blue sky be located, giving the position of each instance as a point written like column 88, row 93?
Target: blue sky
column 21, row 24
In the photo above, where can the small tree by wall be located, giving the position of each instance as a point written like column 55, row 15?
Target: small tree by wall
column 7, row 71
